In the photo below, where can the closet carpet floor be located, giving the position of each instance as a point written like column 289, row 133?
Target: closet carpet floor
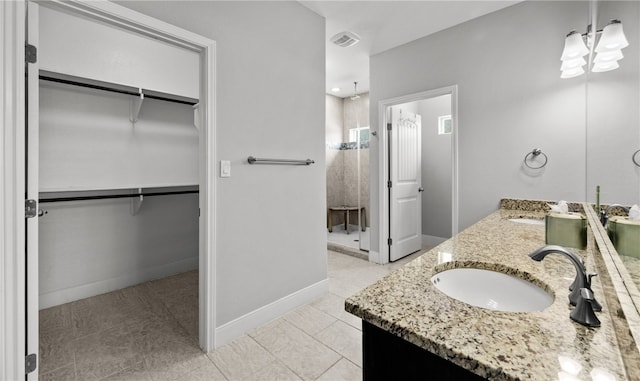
column 150, row 332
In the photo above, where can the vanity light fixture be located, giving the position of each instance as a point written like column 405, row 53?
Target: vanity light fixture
column 608, row 51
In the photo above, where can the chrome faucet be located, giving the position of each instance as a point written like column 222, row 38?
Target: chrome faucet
column 604, row 215
column 582, row 280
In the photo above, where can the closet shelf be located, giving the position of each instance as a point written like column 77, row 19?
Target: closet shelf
column 114, row 87
column 115, row 188
column 52, row 197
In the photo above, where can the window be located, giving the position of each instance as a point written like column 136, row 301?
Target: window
column 363, row 133
column 444, row 125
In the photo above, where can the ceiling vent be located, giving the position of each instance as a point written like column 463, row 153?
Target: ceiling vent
column 345, row 39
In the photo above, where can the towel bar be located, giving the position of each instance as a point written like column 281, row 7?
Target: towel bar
column 255, row 160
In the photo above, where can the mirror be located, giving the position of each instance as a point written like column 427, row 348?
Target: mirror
column 613, row 115
column 613, row 121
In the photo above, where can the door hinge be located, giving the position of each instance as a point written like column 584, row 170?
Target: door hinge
column 389, row 241
column 388, row 126
column 389, row 184
column 31, row 362
column 30, row 208
column 30, row 53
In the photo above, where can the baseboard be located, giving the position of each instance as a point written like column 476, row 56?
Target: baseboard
column 375, row 257
column 431, row 240
column 67, row 295
column 354, row 252
column 238, row 327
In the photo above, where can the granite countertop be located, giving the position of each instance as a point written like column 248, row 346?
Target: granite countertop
column 544, row 345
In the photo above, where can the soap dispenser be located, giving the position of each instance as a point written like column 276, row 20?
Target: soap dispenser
column 566, row 229
column 624, row 232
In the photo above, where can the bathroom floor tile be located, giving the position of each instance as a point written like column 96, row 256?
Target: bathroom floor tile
column 309, row 319
column 241, row 359
column 344, row 288
column 149, row 332
column 333, row 305
column 343, row 370
column 67, row 373
column 103, row 312
column 137, row 372
column 207, row 372
column 56, row 350
column 276, row 371
column 344, row 339
column 174, row 366
column 55, row 319
column 105, row 353
column 306, row 356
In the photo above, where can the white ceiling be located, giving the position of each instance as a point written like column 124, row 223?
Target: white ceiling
column 383, row 25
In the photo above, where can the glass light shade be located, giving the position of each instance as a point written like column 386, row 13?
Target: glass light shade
column 611, row 56
column 605, row 66
column 612, row 38
column 573, row 63
column 570, row 73
column 574, row 47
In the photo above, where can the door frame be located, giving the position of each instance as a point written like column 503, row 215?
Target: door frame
column 382, row 256
column 12, row 161
column 12, row 190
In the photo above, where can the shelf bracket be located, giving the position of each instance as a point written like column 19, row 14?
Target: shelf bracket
column 196, row 115
column 136, row 104
column 136, row 203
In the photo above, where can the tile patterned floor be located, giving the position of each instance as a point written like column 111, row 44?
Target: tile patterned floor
column 356, row 239
column 149, row 332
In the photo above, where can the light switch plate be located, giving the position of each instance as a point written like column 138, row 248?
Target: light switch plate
column 225, row 168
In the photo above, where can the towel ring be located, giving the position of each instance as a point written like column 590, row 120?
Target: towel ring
column 532, row 155
column 633, row 157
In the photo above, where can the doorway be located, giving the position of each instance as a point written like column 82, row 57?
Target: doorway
column 119, row 17
column 418, row 168
column 347, row 158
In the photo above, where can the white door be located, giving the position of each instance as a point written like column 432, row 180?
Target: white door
column 32, row 157
column 405, row 204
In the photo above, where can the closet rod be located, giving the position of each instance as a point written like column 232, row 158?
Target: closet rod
column 113, row 90
column 102, row 197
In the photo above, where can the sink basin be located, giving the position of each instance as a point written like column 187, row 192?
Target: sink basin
column 492, row 290
column 530, row 221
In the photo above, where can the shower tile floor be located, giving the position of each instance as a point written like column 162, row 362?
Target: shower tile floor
column 356, row 239
column 150, row 332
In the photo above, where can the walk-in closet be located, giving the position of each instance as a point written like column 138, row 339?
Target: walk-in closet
column 118, row 230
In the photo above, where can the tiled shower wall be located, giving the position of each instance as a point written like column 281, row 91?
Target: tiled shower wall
column 342, row 156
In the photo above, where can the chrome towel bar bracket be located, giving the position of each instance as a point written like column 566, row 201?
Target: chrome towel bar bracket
column 636, row 158
column 256, row 160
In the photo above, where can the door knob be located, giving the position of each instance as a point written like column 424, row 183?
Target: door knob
column 421, row 189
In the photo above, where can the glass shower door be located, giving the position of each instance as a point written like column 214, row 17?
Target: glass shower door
column 363, row 187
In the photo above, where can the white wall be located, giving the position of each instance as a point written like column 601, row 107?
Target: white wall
column 511, row 100
column 125, row 58
column 436, row 168
column 92, row 247
column 88, row 141
column 270, row 97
